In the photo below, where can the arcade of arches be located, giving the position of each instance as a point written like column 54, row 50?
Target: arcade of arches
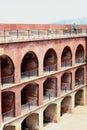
column 30, row 63
column 51, row 113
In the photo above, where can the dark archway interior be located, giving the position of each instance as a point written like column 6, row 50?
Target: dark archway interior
column 65, row 105
column 79, row 98
column 8, row 103
column 29, row 94
column 50, row 61
column 29, row 66
column 66, row 59
column 66, row 81
column 49, row 114
column 50, row 87
column 7, row 70
column 80, row 54
column 79, row 76
column 30, row 123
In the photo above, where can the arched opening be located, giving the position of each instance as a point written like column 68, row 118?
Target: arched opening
column 7, row 70
column 66, row 82
column 29, row 66
column 9, row 127
column 66, row 59
column 79, row 77
column 50, row 61
column 8, row 105
column 50, row 114
column 29, row 96
column 50, row 88
column 31, row 122
column 79, row 98
column 80, row 54
column 66, row 105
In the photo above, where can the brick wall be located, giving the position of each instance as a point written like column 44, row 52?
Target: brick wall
column 37, row 26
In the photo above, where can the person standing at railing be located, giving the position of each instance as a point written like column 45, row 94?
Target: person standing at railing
column 75, row 27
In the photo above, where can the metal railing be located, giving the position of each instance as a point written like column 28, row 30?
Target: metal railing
column 65, row 86
column 14, row 35
column 29, row 104
column 79, row 59
column 30, row 73
column 50, row 68
column 7, row 114
column 66, row 63
column 7, row 79
column 80, row 82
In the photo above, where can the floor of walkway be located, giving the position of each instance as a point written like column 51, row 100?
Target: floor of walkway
column 75, row 121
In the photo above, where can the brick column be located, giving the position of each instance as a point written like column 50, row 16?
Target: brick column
column 58, row 112
column 73, row 103
column 18, row 126
column 40, row 92
column 41, row 120
column 59, row 63
column 85, row 78
column 17, row 103
column 41, row 67
column 17, row 76
column 58, row 85
column 73, row 59
column 0, row 109
column 84, row 96
column 73, row 79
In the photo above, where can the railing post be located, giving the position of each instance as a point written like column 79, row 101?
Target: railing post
column 17, row 34
column 4, row 34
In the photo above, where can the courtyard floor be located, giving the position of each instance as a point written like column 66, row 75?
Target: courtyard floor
column 75, row 121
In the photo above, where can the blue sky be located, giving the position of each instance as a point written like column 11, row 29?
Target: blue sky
column 41, row 11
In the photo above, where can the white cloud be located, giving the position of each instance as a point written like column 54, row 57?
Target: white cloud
column 40, row 11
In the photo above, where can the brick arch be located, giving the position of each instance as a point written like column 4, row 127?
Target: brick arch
column 50, row 113
column 66, row 105
column 7, row 69
column 29, row 94
column 79, row 78
column 68, row 46
column 50, row 59
column 79, row 97
column 66, row 81
column 79, row 54
column 8, row 103
column 30, row 64
column 77, row 45
column 31, row 121
column 50, row 87
column 66, row 56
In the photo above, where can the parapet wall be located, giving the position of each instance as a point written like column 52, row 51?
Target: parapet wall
column 38, row 26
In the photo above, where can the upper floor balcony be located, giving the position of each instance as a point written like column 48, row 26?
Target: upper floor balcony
column 31, row 35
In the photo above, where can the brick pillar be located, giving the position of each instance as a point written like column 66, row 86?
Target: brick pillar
column 41, row 67
column 18, row 126
column 59, row 63
column 17, row 76
column 41, row 120
column 84, row 96
column 58, row 112
column 73, row 58
column 58, row 85
column 40, row 93
column 85, row 78
column 73, row 80
column 17, row 103
column 0, row 109
column 73, row 103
